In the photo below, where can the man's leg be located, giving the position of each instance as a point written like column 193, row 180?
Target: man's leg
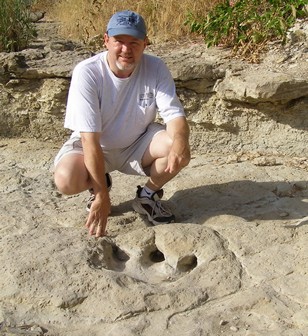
column 156, row 158
column 155, row 161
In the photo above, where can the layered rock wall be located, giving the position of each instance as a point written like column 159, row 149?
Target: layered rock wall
column 231, row 105
column 244, row 107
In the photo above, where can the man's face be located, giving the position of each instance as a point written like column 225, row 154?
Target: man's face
column 124, row 53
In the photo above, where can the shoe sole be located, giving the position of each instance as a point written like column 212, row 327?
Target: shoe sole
column 139, row 209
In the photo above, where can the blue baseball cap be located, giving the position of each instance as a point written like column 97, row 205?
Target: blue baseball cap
column 127, row 23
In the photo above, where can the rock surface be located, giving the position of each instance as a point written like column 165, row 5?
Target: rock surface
column 235, row 261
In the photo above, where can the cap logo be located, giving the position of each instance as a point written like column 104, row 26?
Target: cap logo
column 131, row 20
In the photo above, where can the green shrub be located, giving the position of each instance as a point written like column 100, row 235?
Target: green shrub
column 247, row 25
column 16, row 28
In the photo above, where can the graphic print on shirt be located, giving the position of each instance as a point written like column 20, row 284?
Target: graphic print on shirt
column 146, row 99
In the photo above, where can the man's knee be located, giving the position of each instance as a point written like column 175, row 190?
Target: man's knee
column 62, row 181
column 71, row 177
column 68, row 183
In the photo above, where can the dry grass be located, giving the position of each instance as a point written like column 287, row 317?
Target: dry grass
column 84, row 19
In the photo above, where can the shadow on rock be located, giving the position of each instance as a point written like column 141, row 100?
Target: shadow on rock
column 246, row 199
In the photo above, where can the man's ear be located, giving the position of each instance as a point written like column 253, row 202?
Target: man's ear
column 106, row 38
column 146, row 42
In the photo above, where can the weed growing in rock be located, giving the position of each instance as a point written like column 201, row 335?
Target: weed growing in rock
column 247, row 25
column 16, row 28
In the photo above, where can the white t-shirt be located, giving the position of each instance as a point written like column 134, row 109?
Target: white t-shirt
column 121, row 109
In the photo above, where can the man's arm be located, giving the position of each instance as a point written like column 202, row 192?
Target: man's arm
column 179, row 155
column 95, row 165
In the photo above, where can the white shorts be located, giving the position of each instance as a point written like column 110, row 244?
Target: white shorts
column 126, row 160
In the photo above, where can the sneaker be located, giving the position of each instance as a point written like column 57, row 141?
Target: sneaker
column 92, row 196
column 152, row 207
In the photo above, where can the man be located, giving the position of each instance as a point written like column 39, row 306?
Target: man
column 112, row 104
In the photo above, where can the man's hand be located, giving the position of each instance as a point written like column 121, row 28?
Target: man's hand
column 97, row 219
column 178, row 157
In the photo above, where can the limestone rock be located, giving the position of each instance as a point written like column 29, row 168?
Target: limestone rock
column 257, row 87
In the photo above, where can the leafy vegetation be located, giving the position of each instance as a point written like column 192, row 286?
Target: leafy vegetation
column 16, row 28
column 247, row 25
